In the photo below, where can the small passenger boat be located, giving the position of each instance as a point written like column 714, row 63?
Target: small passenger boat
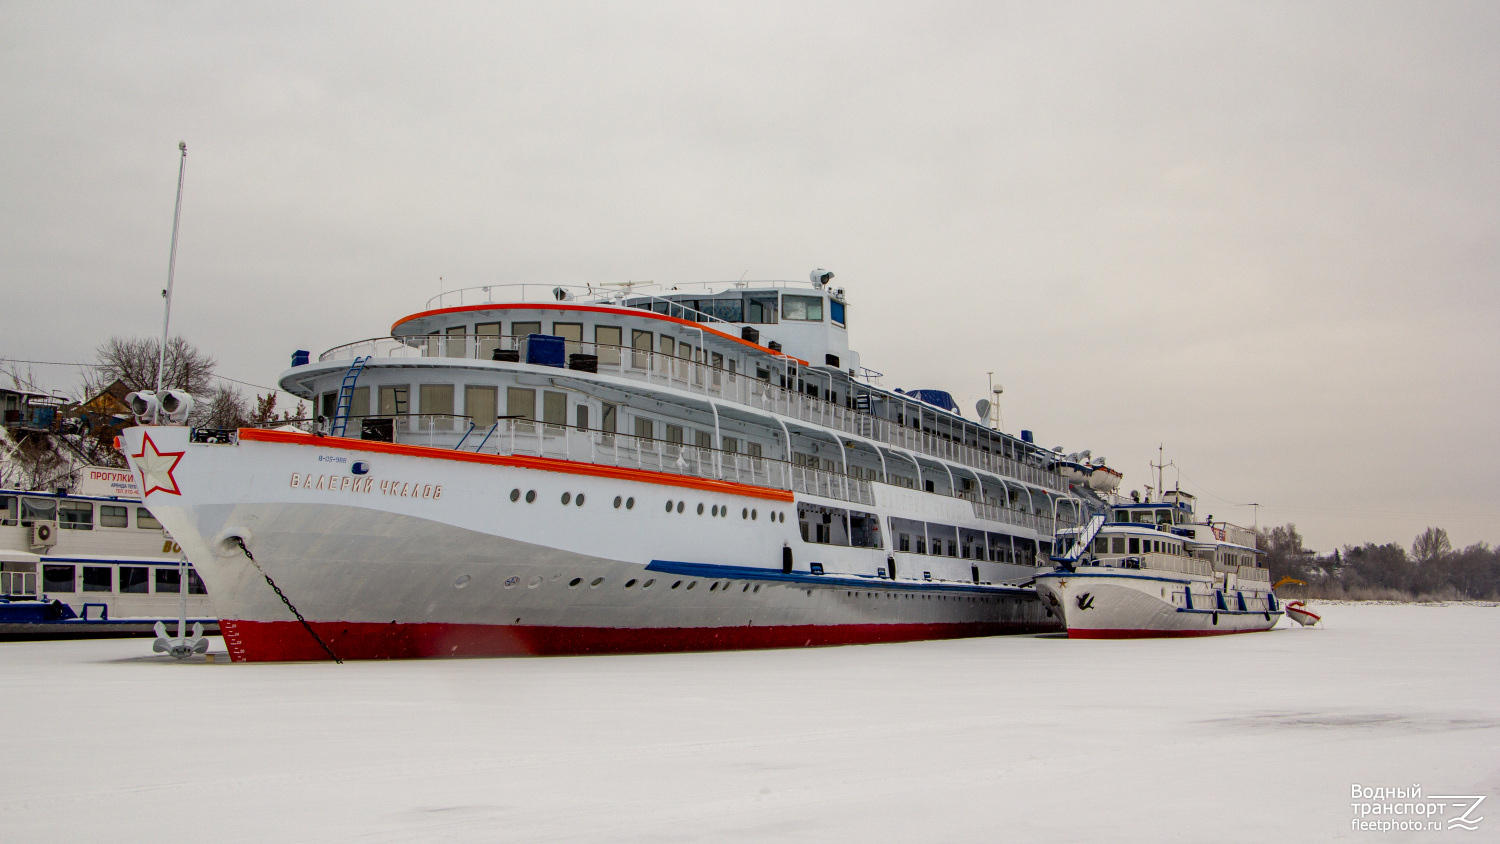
column 82, row 565
column 1152, row 569
column 1297, row 611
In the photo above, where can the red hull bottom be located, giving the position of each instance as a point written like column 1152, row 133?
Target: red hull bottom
column 275, row 641
column 1154, row 634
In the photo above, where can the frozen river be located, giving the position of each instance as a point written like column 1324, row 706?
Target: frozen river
column 1243, row 738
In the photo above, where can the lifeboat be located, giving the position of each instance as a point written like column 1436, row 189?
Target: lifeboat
column 1104, row 479
column 1298, row 612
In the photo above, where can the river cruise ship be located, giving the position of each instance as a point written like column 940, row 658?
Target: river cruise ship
column 1153, row 569
column 557, row 470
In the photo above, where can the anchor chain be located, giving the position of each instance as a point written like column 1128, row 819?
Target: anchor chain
column 285, row 600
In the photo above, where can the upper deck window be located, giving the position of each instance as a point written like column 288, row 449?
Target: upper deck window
column 38, row 510
column 805, row 308
column 836, row 312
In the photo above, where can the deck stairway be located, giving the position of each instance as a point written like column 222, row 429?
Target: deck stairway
column 1084, row 538
column 346, row 397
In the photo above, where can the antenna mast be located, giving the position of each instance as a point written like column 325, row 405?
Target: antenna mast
column 166, row 322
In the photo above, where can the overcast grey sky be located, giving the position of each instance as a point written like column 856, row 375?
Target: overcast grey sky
column 1262, row 235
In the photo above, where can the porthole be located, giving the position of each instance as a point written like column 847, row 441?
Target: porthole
column 680, row 505
column 510, row 582
column 745, row 513
column 630, row 503
column 567, row 497
column 629, row 583
column 692, row 584
column 574, row 582
column 669, row 506
column 781, row 517
column 515, row 495
column 579, row 500
column 754, row 515
column 530, row 495
column 647, row 584
column 746, row 588
column 715, row 512
column 677, row 584
column 618, row 502
column 534, row 582
column 595, row 582
column 724, row 511
column 700, row 508
column 757, row 587
column 714, row 587
column 461, row 581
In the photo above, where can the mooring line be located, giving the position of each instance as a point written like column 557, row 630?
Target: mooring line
column 285, row 600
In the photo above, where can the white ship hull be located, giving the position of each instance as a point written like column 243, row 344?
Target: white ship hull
column 1104, row 603
column 427, row 554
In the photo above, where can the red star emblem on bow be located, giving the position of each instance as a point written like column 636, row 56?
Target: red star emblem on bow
column 156, row 468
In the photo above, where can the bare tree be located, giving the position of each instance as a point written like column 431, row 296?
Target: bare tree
column 1432, row 545
column 224, row 407
column 133, row 360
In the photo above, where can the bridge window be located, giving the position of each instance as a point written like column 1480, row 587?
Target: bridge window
column 836, row 312
column 145, row 521
column 805, row 308
column 168, row 581
column 1135, row 545
column 761, row 310
column 7, row 510
column 521, row 329
column 114, row 517
column 1118, row 543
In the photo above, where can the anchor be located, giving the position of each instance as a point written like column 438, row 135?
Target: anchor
column 1085, row 601
column 183, row 646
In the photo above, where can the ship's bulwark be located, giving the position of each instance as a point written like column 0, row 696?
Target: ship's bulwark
column 476, row 573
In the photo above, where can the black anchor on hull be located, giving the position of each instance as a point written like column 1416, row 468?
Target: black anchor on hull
column 1085, row 601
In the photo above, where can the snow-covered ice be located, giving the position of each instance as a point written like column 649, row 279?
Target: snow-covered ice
column 1244, row 738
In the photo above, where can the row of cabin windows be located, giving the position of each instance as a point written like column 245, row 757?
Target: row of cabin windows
column 608, row 338
column 72, row 515
column 133, row 580
column 757, row 308
column 1162, row 516
column 1136, row 545
column 481, row 405
column 835, row 526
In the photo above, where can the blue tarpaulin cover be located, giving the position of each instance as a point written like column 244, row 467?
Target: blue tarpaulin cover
column 939, row 398
column 546, row 350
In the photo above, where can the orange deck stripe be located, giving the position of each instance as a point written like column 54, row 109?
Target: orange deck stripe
column 545, row 464
column 590, row 309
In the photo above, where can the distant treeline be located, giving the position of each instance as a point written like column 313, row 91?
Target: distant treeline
column 1430, row 570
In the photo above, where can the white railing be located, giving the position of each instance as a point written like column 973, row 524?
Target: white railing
column 704, row 379
column 1180, row 565
column 1042, row 524
column 537, row 439
column 1253, row 573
